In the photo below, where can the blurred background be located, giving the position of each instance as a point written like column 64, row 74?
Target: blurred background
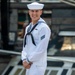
column 59, row 15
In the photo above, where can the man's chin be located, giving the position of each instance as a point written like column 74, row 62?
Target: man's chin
column 35, row 19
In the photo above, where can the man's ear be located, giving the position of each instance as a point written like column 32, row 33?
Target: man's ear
column 41, row 12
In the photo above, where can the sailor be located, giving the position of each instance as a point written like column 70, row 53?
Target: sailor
column 36, row 39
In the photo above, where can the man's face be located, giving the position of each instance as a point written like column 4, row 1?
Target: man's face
column 35, row 14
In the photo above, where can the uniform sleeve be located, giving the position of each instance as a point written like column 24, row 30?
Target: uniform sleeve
column 23, row 53
column 44, row 36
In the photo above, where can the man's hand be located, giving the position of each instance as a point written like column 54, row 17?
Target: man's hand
column 26, row 64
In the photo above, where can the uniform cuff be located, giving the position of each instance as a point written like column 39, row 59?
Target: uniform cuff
column 26, row 60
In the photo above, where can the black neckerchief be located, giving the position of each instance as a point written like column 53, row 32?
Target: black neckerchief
column 29, row 33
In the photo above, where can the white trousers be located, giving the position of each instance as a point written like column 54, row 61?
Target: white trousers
column 35, row 70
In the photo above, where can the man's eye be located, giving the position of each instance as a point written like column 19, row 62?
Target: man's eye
column 32, row 11
column 36, row 10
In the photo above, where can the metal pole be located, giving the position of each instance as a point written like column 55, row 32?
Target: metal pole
column 5, row 23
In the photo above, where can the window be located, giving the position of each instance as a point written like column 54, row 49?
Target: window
column 62, row 42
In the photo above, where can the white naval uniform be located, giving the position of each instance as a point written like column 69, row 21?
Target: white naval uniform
column 37, row 54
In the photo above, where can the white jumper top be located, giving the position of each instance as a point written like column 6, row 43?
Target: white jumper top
column 37, row 54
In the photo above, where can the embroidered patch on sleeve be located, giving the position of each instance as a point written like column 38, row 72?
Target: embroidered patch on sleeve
column 42, row 37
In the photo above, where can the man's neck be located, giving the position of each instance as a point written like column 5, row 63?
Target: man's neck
column 34, row 22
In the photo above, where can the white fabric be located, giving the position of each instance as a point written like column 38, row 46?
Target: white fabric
column 35, row 5
column 36, row 70
column 37, row 54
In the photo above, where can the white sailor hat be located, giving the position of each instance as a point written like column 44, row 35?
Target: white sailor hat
column 35, row 5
